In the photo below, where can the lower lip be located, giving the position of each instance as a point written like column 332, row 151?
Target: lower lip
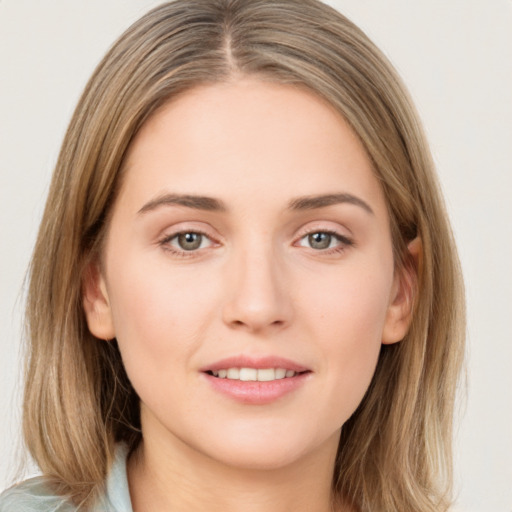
column 255, row 392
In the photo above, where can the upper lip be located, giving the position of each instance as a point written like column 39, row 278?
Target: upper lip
column 245, row 361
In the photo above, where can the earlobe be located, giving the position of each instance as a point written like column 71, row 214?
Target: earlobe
column 405, row 289
column 96, row 303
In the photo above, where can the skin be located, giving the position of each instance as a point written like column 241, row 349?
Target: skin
column 255, row 286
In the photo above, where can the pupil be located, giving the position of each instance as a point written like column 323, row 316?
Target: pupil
column 319, row 240
column 190, row 241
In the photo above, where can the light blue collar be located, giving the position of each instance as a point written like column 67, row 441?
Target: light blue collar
column 117, row 495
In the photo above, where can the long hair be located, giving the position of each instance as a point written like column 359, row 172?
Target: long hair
column 395, row 451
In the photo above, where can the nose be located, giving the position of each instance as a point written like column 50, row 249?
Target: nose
column 258, row 294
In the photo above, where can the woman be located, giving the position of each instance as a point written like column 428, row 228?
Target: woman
column 244, row 292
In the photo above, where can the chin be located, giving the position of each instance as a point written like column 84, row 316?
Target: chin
column 269, row 450
column 248, row 458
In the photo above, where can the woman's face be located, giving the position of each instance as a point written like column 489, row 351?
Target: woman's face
column 250, row 240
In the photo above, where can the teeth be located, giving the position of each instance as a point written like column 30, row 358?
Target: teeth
column 266, row 374
column 254, row 374
column 233, row 373
column 248, row 374
column 280, row 373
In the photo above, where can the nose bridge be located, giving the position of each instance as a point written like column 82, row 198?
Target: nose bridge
column 257, row 293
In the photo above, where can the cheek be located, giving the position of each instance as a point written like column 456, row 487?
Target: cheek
column 158, row 314
column 347, row 319
column 351, row 302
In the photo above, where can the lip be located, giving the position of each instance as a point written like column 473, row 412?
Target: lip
column 255, row 392
column 245, row 361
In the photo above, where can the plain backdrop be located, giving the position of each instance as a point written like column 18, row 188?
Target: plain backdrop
column 456, row 58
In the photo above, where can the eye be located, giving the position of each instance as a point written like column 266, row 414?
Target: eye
column 322, row 240
column 187, row 241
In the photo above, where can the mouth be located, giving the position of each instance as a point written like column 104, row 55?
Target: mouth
column 256, row 381
column 254, row 374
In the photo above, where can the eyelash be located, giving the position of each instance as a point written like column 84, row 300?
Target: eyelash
column 344, row 242
column 165, row 243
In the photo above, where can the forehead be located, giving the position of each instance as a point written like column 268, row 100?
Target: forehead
column 235, row 140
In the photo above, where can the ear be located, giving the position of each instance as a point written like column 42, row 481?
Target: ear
column 405, row 288
column 96, row 303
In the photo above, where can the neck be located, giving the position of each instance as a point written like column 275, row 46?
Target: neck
column 175, row 478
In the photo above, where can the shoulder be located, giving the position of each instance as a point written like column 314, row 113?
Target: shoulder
column 36, row 495
column 33, row 495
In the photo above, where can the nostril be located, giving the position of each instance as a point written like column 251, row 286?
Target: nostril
column 252, row 325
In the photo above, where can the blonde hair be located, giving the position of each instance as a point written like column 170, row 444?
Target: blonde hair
column 395, row 451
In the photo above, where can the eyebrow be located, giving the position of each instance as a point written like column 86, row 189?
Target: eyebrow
column 187, row 200
column 215, row 205
column 324, row 200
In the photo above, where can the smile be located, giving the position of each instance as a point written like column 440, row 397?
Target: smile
column 253, row 374
column 256, row 380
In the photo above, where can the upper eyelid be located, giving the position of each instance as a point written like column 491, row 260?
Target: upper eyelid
column 211, row 233
column 330, row 231
column 174, row 233
column 325, row 229
column 189, row 227
column 171, row 236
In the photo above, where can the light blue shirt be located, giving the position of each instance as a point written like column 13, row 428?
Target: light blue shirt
column 34, row 495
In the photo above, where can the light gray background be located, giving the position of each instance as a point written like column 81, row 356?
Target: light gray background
column 455, row 56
